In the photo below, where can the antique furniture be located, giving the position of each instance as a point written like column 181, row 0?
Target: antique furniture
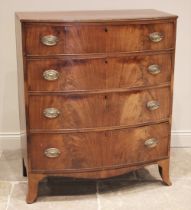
column 95, row 92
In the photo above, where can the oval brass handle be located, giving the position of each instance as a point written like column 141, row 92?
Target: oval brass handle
column 50, row 75
column 156, row 36
column 52, row 152
column 151, row 143
column 49, row 40
column 51, row 112
column 153, row 105
column 154, row 69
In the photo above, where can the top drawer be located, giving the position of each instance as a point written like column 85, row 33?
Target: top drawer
column 51, row 39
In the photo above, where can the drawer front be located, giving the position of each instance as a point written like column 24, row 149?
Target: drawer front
column 98, row 110
column 102, row 73
column 78, row 39
column 95, row 150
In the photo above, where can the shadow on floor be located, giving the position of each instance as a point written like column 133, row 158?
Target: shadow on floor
column 53, row 186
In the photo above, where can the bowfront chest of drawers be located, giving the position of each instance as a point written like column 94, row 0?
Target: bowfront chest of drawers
column 95, row 92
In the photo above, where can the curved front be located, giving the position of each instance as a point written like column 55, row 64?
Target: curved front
column 98, row 150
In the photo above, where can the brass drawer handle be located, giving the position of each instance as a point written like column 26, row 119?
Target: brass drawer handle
column 51, row 112
column 156, row 36
column 151, row 143
column 49, row 40
column 153, row 105
column 50, row 75
column 52, row 152
column 154, row 69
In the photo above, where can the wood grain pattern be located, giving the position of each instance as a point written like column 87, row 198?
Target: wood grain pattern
column 79, row 39
column 99, row 39
column 102, row 91
column 100, row 73
column 98, row 110
column 97, row 150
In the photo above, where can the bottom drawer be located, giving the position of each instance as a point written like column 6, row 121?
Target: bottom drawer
column 98, row 150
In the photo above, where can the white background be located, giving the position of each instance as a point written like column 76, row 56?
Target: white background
column 9, row 118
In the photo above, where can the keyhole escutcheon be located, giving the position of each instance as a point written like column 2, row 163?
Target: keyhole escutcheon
column 106, row 102
column 106, row 29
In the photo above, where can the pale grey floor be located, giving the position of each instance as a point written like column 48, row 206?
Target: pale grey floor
column 136, row 191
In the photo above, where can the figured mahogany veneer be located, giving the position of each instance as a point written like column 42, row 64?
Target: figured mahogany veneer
column 113, row 109
column 98, row 38
column 114, row 72
column 79, row 151
column 95, row 92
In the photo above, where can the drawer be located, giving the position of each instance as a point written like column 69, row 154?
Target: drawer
column 98, row 110
column 100, row 73
column 95, row 150
column 53, row 39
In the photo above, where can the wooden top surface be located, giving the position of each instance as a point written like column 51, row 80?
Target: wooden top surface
column 93, row 16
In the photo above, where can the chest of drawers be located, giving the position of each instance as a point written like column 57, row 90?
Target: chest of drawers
column 95, row 92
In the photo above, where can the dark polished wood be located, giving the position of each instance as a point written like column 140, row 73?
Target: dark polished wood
column 103, row 126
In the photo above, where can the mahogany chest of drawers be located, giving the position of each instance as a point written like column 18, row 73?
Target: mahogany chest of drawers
column 95, row 92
